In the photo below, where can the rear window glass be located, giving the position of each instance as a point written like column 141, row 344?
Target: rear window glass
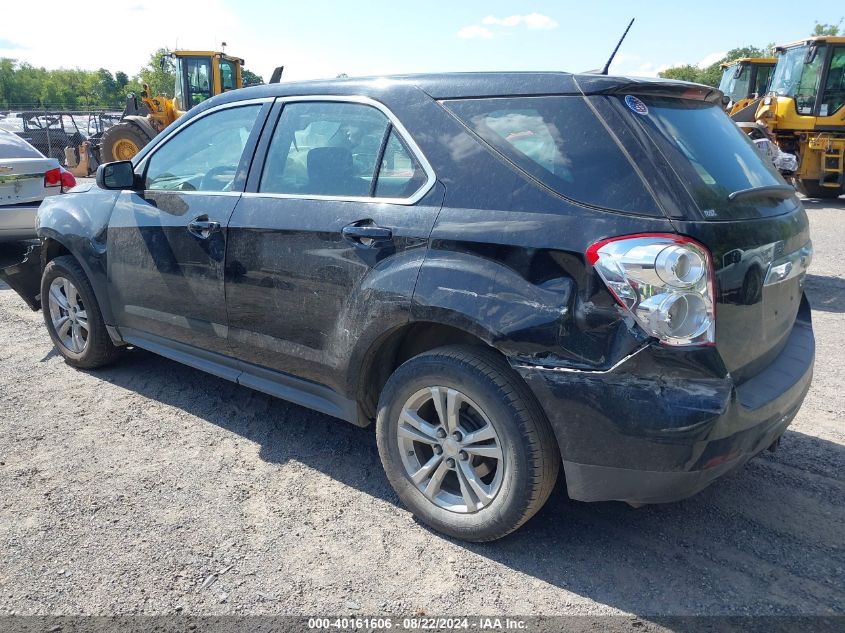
column 712, row 157
column 560, row 142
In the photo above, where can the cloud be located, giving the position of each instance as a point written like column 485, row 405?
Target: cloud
column 534, row 21
column 189, row 24
column 475, row 32
column 711, row 59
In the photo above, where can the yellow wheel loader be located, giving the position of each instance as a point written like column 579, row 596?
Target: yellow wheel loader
column 804, row 112
column 745, row 80
column 199, row 76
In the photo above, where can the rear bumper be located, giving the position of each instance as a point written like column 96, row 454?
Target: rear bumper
column 663, row 424
column 17, row 222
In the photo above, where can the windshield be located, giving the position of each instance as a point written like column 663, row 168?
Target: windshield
column 712, row 158
column 794, row 78
column 736, row 86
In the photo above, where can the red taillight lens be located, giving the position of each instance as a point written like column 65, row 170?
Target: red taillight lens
column 68, row 181
column 664, row 281
column 53, row 178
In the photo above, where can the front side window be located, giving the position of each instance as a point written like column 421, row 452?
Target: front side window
column 560, row 142
column 205, row 155
column 761, row 83
column 834, row 86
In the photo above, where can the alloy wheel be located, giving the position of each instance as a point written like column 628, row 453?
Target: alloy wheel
column 68, row 315
column 450, row 449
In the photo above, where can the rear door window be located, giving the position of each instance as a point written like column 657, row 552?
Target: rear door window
column 560, row 142
column 712, row 157
column 324, row 149
column 400, row 174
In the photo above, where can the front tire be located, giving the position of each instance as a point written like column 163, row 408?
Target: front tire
column 464, row 443
column 73, row 316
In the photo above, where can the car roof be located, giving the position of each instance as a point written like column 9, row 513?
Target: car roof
column 464, row 84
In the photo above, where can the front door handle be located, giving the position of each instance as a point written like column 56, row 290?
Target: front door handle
column 202, row 227
column 366, row 235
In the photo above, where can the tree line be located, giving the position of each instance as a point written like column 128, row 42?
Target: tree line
column 24, row 86
column 710, row 75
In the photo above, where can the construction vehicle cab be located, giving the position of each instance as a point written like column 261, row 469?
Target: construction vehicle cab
column 200, row 75
column 805, row 112
column 744, row 80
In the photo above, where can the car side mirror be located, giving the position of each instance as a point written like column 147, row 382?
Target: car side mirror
column 117, row 175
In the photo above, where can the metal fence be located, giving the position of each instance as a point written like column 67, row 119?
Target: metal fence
column 60, row 134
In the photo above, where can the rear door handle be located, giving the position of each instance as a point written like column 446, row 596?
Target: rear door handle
column 366, row 234
column 202, row 227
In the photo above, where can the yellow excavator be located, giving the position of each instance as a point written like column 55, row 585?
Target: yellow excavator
column 744, row 80
column 199, row 76
column 804, row 112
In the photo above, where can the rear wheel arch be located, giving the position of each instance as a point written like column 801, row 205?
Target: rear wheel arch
column 399, row 345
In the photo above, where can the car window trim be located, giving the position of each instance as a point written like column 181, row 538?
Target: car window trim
column 247, row 154
column 395, row 123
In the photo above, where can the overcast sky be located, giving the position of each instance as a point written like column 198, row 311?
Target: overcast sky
column 322, row 38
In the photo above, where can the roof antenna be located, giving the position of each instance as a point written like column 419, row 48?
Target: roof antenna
column 613, row 54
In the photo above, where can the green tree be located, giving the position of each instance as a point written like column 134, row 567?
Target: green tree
column 159, row 73
column 250, row 78
column 687, row 72
column 710, row 75
column 826, row 29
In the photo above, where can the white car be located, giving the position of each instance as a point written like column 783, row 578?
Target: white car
column 26, row 178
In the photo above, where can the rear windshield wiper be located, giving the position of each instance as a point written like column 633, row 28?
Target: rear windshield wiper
column 771, row 191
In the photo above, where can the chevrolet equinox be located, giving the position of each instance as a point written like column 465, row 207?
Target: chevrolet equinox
column 506, row 272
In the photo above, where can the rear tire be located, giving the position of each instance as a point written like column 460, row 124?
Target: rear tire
column 487, row 487
column 121, row 142
column 813, row 189
column 73, row 316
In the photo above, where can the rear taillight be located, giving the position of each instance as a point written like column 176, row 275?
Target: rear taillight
column 59, row 177
column 68, row 181
column 664, row 281
column 53, row 178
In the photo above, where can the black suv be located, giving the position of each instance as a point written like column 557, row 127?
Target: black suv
column 503, row 271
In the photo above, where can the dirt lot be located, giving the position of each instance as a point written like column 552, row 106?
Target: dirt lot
column 151, row 488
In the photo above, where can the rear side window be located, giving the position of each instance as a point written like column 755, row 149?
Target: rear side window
column 324, row 148
column 338, row 149
column 712, row 157
column 400, row 175
column 559, row 142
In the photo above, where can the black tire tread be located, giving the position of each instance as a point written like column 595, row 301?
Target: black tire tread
column 534, row 426
column 117, row 131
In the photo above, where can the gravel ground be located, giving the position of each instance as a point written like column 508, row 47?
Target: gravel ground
column 152, row 488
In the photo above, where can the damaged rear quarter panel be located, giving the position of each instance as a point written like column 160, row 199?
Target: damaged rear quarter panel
column 518, row 281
